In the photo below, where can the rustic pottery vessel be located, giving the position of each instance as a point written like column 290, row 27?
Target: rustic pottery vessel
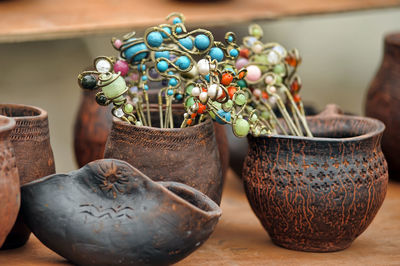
column 9, row 180
column 383, row 102
column 109, row 213
column 31, row 142
column 93, row 125
column 318, row 194
column 186, row 155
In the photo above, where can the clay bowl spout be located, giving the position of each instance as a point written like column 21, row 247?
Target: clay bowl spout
column 318, row 194
column 109, row 213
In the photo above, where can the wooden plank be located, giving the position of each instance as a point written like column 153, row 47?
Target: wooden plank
column 239, row 239
column 24, row 20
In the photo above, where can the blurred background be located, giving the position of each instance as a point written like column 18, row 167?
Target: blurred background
column 341, row 52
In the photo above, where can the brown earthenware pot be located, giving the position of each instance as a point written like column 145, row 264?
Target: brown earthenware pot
column 9, row 180
column 186, row 155
column 383, row 102
column 318, row 194
column 31, row 142
column 93, row 125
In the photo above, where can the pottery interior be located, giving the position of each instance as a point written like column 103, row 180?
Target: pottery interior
column 9, row 180
column 186, row 155
column 109, row 213
column 34, row 157
column 318, row 194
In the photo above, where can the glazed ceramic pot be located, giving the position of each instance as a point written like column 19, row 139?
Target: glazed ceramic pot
column 31, row 142
column 109, row 213
column 93, row 125
column 186, row 155
column 9, row 180
column 383, row 102
column 318, row 194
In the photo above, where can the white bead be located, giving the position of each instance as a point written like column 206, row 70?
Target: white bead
column 203, row 97
column 118, row 113
column 103, row 66
column 257, row 92
column 204, row 67
column 280, row 50
column 196, row 91
column 257, row 48
column 273, row 58
column 269, row 79
column 272, row 100
column 212, row 90
column 272, row 89
column 250, row 41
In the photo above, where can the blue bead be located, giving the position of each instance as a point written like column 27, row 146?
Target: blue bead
column 144, row 78
column 163, row 54
column 183, row 62
column 168, row 30
column 146, row 87
column 230, row 39
column 162, row 66
column 170, row 73
column 173, row 82
column 201, row 42
column 140, row 49
column 223, row 114
column 234, row 52
column 207, row 77
column 187, row 43
column 177, row 20
column 217, row 54
column 143, row 67
column 178, row 30
column 170, row 92
column 179, row 97
column 154, row 39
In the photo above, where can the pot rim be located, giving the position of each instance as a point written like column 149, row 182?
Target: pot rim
column 380, row 127
column 42, row 114
column 6, row 124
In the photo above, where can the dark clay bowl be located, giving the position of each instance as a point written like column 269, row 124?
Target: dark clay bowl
column 109, row 213
column 318, row 194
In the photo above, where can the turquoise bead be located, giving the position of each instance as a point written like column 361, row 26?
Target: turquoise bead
column 187, row 43
column 178, row 30
column 183, row 62
column 155, row 39
column 146, row 87
column 173, row 82
column 177, row 20
column 162, row 54
column 201, row 42
column 230, row 39
column 217, row 54
column 168, row 30
column 162, row 66
column 139, row 49
column 207, row 77
column 170, row 92
column 179, row 97
column 144, row 78
column 223, row 114
column 234, row 52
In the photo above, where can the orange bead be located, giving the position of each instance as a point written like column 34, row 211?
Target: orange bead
column 189, row 122
column 244, row 53
column 226, row 79
column 194, row 115
column 295, row 86
column 265, row 95
column 204, row 89
column 296, row 98
column 231, row 91
column 202, row 108
column 242, row 74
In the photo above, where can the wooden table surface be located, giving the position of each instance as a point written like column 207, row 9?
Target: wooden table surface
column 24, row 20
column 239, row 239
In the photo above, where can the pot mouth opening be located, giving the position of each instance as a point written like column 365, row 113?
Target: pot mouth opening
column 21, row 111
column 341, row 128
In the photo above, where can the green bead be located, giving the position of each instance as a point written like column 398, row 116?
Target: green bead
column 117, row 87
column 261, row 59
column 189, row 89
column 254, row 118
column 242, row 83
column 279, row 69
column 189, row 102
column 265, row 115
column 278, row 79
column 241, row 127
column 128, row 108
column 228, row 104
column 240, row 99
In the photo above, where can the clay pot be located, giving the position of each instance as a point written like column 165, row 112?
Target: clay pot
column 31, row 142
column 186, row 155
column 383, row 102
column 318, row 194
column 93, row 125
column 109, row 213
column 9, row 180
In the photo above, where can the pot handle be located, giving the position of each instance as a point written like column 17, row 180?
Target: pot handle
column 331, row 110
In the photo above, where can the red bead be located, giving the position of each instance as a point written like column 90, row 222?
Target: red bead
column 223, row 95
column 226, row 79
column 193, row 115
column 189, row 122
column 295, row 86
column 296, row 98
column 204, row 89
column 231, row 91
column 244, row 53
column 291, row 61
column 202, row 108
column 265, row 95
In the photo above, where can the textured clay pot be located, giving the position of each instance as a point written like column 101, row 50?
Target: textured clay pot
column 109, row 213
column 186, row 155
column 93, row 125
column 318, row 194
column 383, row 102
column 31, row 142
column 9, row 180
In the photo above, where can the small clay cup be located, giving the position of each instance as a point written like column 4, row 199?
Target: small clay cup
column 9, row 180
column 109, row 213
column 318, row 194
column 186, row 155
column 31, row 142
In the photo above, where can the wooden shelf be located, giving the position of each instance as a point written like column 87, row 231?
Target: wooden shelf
column 239, row 239
column 25, row 20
